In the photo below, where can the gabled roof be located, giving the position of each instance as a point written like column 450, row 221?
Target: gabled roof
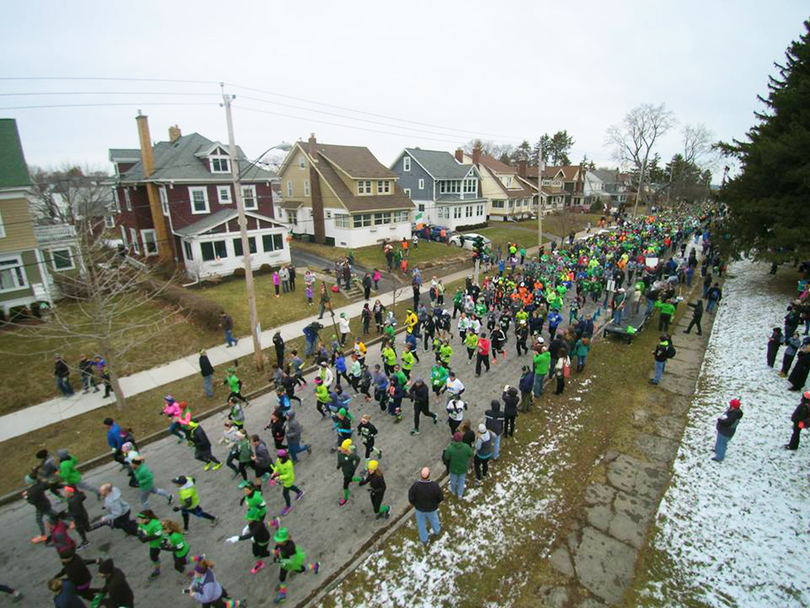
column 179, row 161
column 356, row 161
column 495, row 165
column 356, row 204
column 606, row 175
column 523, row 192
column 13, row 170
column 439, row 164
column 220, row 217
column 569, row 172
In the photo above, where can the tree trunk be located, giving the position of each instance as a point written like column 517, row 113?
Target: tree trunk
column 111, row 361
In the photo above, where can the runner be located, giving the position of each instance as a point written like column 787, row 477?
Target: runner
column 347, row 461
column 374, row 477
column 189, row 503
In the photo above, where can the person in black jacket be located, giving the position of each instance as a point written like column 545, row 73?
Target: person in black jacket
column 74, row 569
column 697, row 315
column 425, row 496
column 376, row 481
column 525, row 385
column 774, row 344
column 726, row 427
column 207, row 373
column 494, row 423
column 75, row 507
column 65, row 595
column 800, row 420
column 420, row 395
column 35, row 495
column 510, row 403
column 115, row 586
column 202, row 448
column 367, row 286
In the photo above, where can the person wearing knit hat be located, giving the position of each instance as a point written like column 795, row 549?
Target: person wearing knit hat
column 484, row 444
column 726, row 427
column 189, row 503
column 291, row 559
column 116, row 588
column 347, row 461
column 800, row 419
column 375, row 479
column 205, row 588
column 457, row 457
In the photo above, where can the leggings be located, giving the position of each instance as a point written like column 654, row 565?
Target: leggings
column 180, row 563
column 197, row 511
column 6, row 589
column 481, row 466
column 509, row 426
column 285, row 491
column 282, row 576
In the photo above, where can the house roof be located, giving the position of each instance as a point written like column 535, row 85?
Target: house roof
column 13, row 170
column 523, row 192
column 179, row 161
column 494, row 164
column 569, row 171
column 215, row 219
column 291, row 205
column 118, row 155
column 440, row 164
column 357, row 161
column 606, row 175
column 356, row 204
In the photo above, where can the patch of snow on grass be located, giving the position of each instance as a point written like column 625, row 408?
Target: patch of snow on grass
column 736, row 532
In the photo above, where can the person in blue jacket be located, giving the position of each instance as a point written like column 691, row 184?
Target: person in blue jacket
column 554, row 320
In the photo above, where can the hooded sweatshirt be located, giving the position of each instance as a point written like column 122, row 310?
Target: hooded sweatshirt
column 115, row 505
column 494, row 418
column 293, row 428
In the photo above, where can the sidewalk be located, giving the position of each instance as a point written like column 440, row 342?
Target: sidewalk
column 61, row 408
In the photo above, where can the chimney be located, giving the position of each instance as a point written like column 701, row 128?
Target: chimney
column 581, row 176
column 476, row 155
column 460, row 155
column 522, row 168
column 147, row 158
column 313, row 147
column 174, row 134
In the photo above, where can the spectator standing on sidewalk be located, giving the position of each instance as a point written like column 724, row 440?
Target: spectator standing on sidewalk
column 425, row 496
column 207, row 373
column 88, row 373
column 661, row 354
column 726, row 427
column 774, row 344
column 792, row 345
column 61, row 372
column 800, row 420
column 284, row 275
column 226, row 323
column 697, row 315
column 457, row 456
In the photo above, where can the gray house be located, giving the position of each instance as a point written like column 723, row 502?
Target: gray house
column 614, row 185
column 445, row 191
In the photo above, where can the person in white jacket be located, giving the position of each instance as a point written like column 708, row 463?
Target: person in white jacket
column 563, row 362
column 344, row 328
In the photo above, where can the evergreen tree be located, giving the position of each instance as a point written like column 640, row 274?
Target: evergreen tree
column 769, row 201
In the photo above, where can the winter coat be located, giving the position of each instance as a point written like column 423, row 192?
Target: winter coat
column 145, row 477
column 206, row 589
column 293, row 428
column 494, row 418
column 727, row 423
column 425, row 496
column 510, row 403
column 458, row 456
column 801, row 413
column 420, row 394
column 285, row 471
column 484, row 445
column 799, row 374
column 526, row 382
column 118, row 590
column 206, row 369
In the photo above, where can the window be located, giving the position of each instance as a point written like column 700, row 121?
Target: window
column 306, row 187
column 133, row 240
column 12, row 274
column 444, row 213
column 124, row 236
column 249, row 197
column 199, row 200
column 456, row 212
column 116, row 202
column 508, row 181
column 109, row 221
column 311, row 214
column 342, row 221
column 480, row 210
column 289, row 188
column 329, row 215
column 362, row 220
column 452, row 186
column 382, row 218
column 272, row 242
column 220, row 164
column 401, row 216
column 470, row 186
column 406, row 163
column 421, row 184
column 2, row 228
column 127, row 199
column 468, row 211
column 383, row 187
column 188, row 250
column 224, row 195
column 237, row 246
column 62, row 259
column 364, row 186
column 497, row 204
column 164, row 200
column 213, row 250
column 407, row 192
column 292, row 217
column 150, row 245
column 302, row 162
column 421, row 207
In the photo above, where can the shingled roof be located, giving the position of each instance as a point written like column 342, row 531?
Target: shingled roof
column 13, row 170
column 440, row 164
column 357, row 161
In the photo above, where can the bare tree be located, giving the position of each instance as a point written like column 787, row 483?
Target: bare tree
column 634, row 138
column 698, row 146
column 104, row 302
column 69, row 193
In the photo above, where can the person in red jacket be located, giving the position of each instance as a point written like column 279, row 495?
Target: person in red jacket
column 483, row 353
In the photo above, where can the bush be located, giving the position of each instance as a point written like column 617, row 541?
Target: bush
column 266, row 268
column 200, row 309
column 471, row 227
column 18, row 313
column 239, row 272
column 597, row 206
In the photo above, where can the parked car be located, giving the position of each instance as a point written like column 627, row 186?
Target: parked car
column 433, row 233
column 466, row 240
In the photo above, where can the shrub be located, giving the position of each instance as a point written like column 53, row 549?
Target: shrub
column 199, row 308
column 18, row 313
column 597, row 206
column 239, row 272
column 266, row 268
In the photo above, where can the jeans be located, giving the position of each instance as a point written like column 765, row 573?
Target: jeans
column 710, row 305
column 209, row 391
column 650, row 306
column 294, row 447
column 659, row 371
column 88, row 381
column 496, row 446
column 309, row 348
column 63, row 384
column 539, row 381
column 229, row 339
column 422, row 519
column 720, row 446
column 457, row 483
column 617, row 317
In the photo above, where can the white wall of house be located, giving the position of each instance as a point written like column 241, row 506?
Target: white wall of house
column 453, row 215
column 350, row 237
column 266, row 253
column 519, row 208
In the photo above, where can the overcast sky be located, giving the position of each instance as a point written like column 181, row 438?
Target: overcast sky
column 503, row 71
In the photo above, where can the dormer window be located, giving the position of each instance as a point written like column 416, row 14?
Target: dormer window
column 383, row 187
column 364, row 186
column 220, row 164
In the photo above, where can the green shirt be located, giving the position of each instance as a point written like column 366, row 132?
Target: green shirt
column 666, row 308
column 189, row 498
column 348, row 463
column 446, row 353
column 68, row 472
column 178, row 543
column 471, row 340
column 542, row 362
column 256, row 501
column 458, row 455
column 390, row 356
column 152, row 529
column 438, row 375
column 407, row 360
column 145, row 478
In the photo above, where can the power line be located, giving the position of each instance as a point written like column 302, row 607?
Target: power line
column 115, row 79
column 95, row 105
column 106, row 93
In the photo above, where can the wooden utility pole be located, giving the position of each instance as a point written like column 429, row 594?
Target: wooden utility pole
column 540, row 166
column 240, row 209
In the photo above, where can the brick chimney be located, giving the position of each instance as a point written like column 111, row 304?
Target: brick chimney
column 460, row 155
column 166, row 251
column 522, row 168
column 147, row 157
column 174, row 134
column 313, row 147
column 476, row 155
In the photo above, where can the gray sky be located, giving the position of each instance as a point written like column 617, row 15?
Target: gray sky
column 504, row 70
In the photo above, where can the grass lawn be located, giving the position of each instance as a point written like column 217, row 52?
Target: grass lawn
column 85, row 436
column 561, row 224
column 273, row 311
column 501, row 233
column 372, row 255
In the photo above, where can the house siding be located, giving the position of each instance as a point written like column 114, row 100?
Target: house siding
column 18, row 226
column 410, row 179
column 33, row 275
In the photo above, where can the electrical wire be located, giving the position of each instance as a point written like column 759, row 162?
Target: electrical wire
column 96, row 105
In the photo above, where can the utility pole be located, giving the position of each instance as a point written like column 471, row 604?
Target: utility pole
column 540, row 167
column 240, row 208
column 669, row 188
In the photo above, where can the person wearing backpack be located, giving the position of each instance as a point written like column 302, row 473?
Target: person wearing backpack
column 494, row 423
column 483, row 452
column 661, row 354
column 713, row 297
column 726, row 427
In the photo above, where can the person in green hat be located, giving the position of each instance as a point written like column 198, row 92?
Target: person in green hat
column 256, row 531
column 291, row 559
column 150, row 531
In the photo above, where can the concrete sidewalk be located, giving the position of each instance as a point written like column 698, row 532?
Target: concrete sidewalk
column 61, row 408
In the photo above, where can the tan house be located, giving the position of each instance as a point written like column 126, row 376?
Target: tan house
column 510, row 195
column 342, row 196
